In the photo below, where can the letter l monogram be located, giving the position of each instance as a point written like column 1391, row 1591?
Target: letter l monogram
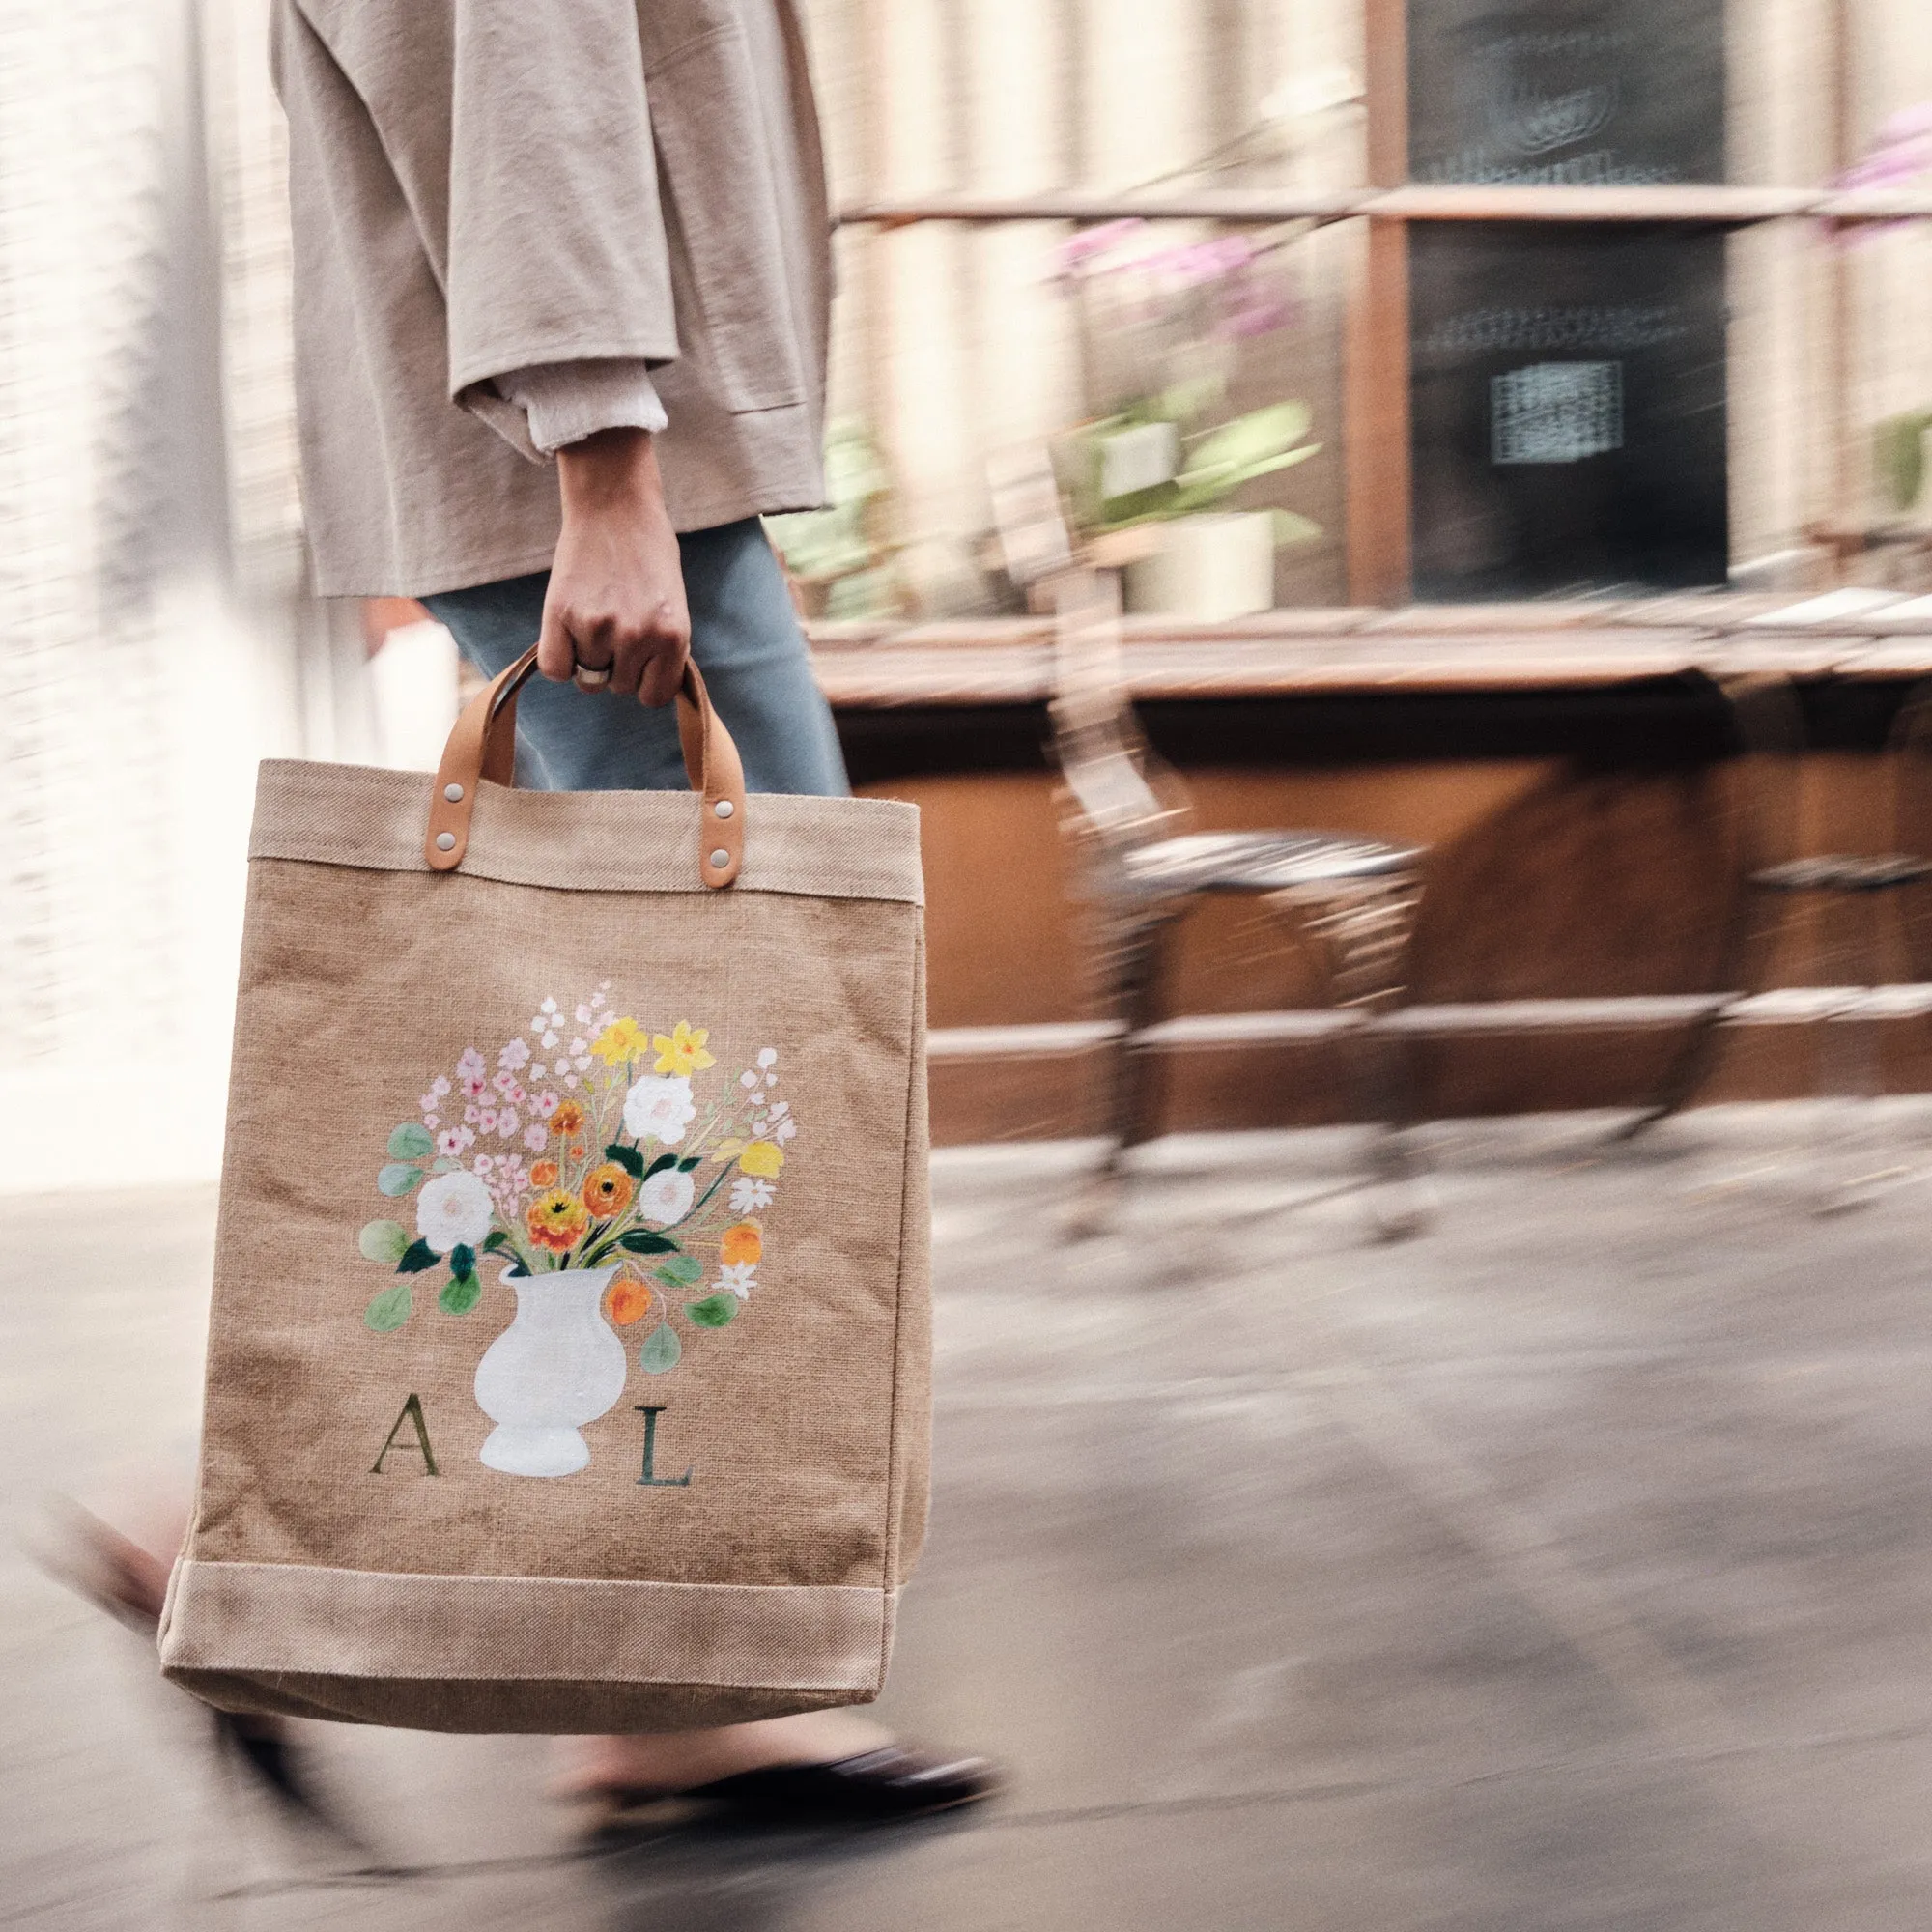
column 650, row 1478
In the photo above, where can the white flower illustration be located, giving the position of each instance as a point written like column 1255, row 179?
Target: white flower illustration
column 453, row 1210
column 660, row 1108
column 741, row 1277
column 666, row 1197
column 748, row 1194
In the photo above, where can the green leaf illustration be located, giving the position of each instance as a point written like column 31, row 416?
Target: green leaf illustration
column 389, row 1310
column 628, row 1159
column 496, row 1243
column 383, row 1241
column 399, row 1177
column 418, row 1255
column 637, row 1243
column 681, row 1271
column 658, row 1166
column 690, row 1161
column 661, row 1350
column 460, row 1294
column 463, row 1262
column 714, row 1311
column 411, row 1142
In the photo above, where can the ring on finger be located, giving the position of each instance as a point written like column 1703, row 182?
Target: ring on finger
column 591, row 677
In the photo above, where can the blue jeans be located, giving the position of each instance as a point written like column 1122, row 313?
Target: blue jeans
column 745, row 641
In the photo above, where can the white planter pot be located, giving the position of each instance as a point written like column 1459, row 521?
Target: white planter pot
column 1218, row 565
column 557, row 1366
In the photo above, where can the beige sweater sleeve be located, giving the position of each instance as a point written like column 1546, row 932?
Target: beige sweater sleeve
column 521, row 137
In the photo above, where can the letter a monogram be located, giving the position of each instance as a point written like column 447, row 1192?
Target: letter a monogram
column 650, row 1478
column 412, row 1411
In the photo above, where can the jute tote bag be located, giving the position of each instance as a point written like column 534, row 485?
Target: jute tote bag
column 569, row 1359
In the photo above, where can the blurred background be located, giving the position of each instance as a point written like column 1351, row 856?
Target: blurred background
column 1389, row 541
column 1282, row 421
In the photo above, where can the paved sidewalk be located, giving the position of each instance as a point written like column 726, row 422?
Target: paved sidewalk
column 1567, row 1570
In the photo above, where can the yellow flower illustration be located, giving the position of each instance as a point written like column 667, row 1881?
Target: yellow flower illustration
column 682, row 1050
column 620, row 1042
column 763, row 1159
column 557, row 1220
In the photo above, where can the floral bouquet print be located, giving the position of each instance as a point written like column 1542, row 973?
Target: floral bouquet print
column 617, row 1184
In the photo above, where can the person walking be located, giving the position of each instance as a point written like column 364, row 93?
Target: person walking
column 562, row 286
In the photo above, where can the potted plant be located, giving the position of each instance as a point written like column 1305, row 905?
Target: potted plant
column 1167, row 323
column 839, row 557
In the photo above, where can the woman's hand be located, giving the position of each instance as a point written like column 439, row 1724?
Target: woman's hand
column 616, row 588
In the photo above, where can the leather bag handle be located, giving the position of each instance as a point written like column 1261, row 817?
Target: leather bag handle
column 482, row 745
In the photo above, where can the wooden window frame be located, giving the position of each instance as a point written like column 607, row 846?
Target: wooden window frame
column 1377, row 372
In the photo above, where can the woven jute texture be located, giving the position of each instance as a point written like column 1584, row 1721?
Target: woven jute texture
column 732, row 1544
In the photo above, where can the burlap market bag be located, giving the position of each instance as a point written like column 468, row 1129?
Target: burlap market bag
column 568, row 1367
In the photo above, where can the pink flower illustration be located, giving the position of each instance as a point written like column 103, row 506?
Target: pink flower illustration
column 514, row 1056
column 452, row 1141
column 535, row 1139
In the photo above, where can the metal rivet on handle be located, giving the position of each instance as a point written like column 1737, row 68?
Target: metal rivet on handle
column 445, row 841
column 719, row 859
column 453, row 793
column 724, row 809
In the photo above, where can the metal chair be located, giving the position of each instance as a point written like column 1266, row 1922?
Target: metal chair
column 1352, row 899
column 1774, row 874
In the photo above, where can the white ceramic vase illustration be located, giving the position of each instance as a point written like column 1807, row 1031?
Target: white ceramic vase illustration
column 557, row 1366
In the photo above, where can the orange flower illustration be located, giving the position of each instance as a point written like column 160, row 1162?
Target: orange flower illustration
column 557, row 1220
column 743, row 1242
column 608, row 1191
column 544, row 1174
column 628, row 1300
column 567, row 1120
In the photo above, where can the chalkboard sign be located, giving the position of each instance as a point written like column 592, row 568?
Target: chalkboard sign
column 1568, row 400
column 1595, row 92
column 1569, row 409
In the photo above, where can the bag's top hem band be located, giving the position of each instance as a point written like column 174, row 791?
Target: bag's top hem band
column 356, row 817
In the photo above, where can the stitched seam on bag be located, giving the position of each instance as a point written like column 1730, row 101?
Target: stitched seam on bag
column 476, row 870
column 891, row 1538
column 507, row 1576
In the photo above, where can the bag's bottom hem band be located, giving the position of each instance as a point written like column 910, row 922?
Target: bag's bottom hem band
column 518, row 1653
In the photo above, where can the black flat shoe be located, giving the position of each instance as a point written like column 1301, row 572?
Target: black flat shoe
column 877, row 1787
